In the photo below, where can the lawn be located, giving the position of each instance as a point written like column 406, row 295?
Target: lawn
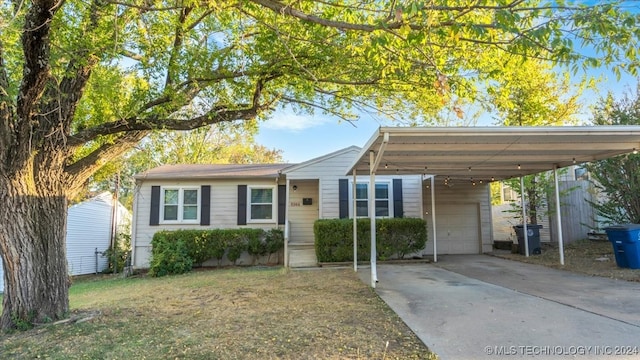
column 257, row 313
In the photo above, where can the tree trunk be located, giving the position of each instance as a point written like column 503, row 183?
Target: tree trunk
column 32, row 245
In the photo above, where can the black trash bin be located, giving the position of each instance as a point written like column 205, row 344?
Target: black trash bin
column 533, row 235
column 625, row 239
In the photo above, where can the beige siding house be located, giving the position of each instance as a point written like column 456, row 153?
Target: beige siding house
column 174, row 197
column 292, row 197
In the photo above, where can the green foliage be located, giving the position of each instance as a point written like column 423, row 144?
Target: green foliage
column 23, row 324
column 395, row 237
column 168, row 256
column 274, row 241
column 617, row 179
column 203, row 245
column 232, row 143
column 534, row 94
column 256, row 247
column 236, row 246
column 119, row 258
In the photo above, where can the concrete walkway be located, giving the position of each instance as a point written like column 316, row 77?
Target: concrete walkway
column 482, row 307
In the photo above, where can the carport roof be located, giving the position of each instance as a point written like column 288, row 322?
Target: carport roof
column 490, row 153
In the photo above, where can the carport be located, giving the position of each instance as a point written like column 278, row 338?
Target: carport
column 482, row 155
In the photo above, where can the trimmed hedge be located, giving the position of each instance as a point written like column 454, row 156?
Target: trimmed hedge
column 395, row 237
column 174, row 252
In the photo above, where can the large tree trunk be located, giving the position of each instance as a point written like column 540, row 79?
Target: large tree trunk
column 32, row 245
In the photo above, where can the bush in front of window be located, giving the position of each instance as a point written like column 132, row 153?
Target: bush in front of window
column 169, row 256
column 274, row 242
column 202, row 245
column 236, row 246
column 395, row 238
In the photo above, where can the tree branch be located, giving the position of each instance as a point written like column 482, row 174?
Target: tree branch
column 215, row 115
column 177, row 44
column 36, row 49
column 80, row 171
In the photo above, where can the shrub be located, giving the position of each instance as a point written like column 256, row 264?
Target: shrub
column 256, row 247
column 119, row 259
column 201, row 245
column 274, row 241
column 237, row 245
column 217, row 245
column 395, row 237
column 168, row 256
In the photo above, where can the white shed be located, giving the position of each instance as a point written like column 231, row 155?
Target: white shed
column 88, row 229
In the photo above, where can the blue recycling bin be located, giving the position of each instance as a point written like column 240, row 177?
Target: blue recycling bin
column 625, row 239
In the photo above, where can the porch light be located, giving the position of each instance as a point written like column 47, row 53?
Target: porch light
column 518, row 166
column 635, row 151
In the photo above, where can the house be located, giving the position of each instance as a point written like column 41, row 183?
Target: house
column 292, row 197
column 89, row 229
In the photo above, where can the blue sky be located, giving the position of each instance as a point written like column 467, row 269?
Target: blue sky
column 303, row 137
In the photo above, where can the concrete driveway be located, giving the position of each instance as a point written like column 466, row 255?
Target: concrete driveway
column 482, row 307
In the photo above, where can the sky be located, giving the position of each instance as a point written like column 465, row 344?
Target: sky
column 304, row 137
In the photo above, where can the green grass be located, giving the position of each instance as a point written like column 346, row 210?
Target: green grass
column 224, row 314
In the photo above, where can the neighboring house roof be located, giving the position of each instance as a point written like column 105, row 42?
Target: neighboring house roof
column 212, row 171
column 295, row 167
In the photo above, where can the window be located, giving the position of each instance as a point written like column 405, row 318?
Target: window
column 180, row 205
column 261, row 205
column 382, row 200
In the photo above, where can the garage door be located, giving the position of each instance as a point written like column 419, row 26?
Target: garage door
column 457, row 229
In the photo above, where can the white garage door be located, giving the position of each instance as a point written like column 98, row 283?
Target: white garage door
column 457, row 229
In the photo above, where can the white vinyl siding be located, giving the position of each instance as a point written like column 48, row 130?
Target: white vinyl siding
column 179, row 205
column 224, row 211
column 261, row 206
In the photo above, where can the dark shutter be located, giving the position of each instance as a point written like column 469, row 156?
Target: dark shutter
column 398, row 210
column 205, row 204
column 154, row 218
column 343, row 198
column 282, row 203
column 242, row 204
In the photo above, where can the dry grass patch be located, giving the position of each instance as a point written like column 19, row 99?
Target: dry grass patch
column 585, row 257
column 228, row 314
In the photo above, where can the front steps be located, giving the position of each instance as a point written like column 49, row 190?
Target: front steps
column 302, row 255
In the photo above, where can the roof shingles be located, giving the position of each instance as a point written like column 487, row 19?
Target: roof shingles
column 213, row 171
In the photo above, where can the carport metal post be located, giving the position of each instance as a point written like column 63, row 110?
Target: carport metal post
column 355, row 225
column 433, row 217
column 524, row 218
column 558, row 216
column 372, row 216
